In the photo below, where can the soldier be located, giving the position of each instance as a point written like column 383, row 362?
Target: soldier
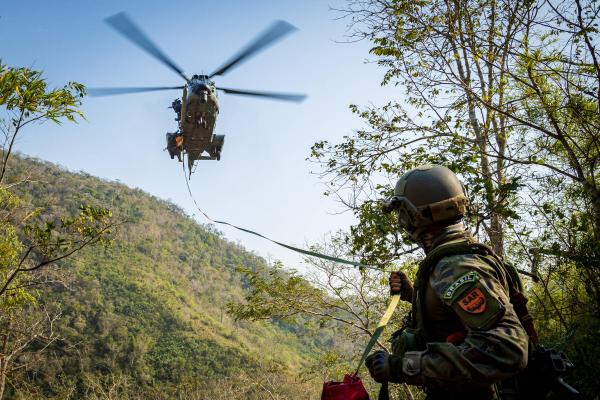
column 176, row 106
column 463, row 336
column 174, row 144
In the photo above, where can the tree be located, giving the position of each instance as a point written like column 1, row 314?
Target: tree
column 442, row 53
column 554, row 82
column 492, row 88
column 332, row 296
column 26, row 99
column 30, row 240
column 505, row 93
column 23, row 336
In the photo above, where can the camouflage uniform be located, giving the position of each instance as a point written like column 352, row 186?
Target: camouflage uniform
column 470, row 335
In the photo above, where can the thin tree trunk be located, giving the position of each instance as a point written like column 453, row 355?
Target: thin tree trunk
column 596, row 207
column 495, row 230
column 2, row 376
column 4, row 358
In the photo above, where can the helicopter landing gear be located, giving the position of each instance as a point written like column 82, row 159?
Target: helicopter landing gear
column 217, row 147
column 176, row 106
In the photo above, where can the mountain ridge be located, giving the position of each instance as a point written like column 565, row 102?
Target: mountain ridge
column 152, row 306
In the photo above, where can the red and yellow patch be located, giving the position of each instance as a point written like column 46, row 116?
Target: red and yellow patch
column 473, row 302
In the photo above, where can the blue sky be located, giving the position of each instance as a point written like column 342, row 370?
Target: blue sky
column 263, row 181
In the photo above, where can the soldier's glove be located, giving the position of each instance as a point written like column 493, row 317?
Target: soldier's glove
column 385, row 367
column 399, row 284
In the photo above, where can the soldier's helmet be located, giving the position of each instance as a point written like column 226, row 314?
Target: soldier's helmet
column 427, row 195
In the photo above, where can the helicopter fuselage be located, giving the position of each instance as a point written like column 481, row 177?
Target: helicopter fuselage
column 200, row 107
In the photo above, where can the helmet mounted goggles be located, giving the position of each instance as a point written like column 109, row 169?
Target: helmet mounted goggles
column 410, row 216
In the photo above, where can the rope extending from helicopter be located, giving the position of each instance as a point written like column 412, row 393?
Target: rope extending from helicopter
column 287, row 246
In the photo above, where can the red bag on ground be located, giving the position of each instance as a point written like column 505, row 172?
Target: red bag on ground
column 350, row 389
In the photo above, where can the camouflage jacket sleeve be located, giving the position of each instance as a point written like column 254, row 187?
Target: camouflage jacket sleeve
column 495, row 346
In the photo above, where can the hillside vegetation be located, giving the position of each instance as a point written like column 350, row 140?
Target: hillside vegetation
column 146, row 316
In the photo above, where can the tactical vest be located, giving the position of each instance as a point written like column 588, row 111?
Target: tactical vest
column 413, row 335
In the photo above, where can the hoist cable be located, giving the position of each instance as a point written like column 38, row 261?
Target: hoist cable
column 287, row 246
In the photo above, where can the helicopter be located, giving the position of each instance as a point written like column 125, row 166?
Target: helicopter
column 197, row 110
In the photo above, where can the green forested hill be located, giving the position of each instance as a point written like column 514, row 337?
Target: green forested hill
column 147, row 315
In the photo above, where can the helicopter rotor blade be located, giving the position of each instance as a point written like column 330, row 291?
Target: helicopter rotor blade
column 296, row 98
column 275, row 32
column 125, row 26
column 124, row 90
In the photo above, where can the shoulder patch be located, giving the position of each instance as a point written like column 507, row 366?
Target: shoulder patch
column 468, row 277
column 473, row 302
column 478, row 308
